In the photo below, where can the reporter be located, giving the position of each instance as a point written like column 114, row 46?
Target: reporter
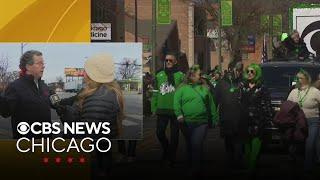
column 27, row 98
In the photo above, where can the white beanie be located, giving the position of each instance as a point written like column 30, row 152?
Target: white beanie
column 100, row 68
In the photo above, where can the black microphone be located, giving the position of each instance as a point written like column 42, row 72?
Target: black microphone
column 54, row 99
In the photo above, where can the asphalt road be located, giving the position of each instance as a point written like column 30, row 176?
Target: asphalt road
column 132, row 124
column 273, row 163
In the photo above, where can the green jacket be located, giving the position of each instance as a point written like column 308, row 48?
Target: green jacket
column 162, row 98
column 191, row 101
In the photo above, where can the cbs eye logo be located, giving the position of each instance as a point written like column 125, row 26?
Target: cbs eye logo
column 312, row 31
column 23, row 128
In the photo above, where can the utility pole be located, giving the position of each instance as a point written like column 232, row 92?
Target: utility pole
column 136, row 21
column 154, row 36
column 219, row 36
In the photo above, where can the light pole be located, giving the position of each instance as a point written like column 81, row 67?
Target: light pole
column 22, row 46
column 154, row 36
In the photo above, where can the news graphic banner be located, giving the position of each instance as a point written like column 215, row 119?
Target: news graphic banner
column 45, row 21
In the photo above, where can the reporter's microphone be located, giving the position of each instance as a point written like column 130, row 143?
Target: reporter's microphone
column 54, row 99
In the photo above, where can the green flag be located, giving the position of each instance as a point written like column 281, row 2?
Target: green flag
column 226, row 13
column 163, row 11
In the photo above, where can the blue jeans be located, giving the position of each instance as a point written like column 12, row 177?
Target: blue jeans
column 311, row 143
column 195, row 136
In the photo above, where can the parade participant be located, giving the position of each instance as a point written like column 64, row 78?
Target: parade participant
column 166, row 82
column 27, row 98
column 295, row 46
column 233, row 126
column 308, row 98
column 257, row 101
column 194, row 107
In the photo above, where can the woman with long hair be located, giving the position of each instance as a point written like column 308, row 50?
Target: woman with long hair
column 194, row 108
column 308, row 98
column 101, row 100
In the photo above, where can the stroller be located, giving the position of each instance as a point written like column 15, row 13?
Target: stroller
column 293, row 127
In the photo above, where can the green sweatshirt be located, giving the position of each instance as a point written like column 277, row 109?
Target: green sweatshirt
column 162, row 98
column 192, row 107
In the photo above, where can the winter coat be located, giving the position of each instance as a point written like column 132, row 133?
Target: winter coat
column 256, row 102
column 102, row 106
column 25, row 102
column 292, row 121
column 228, row 100
column 295, row 50
column 195, row 103
column 162, row 98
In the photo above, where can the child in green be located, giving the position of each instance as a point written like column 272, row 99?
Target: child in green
column 194, row 108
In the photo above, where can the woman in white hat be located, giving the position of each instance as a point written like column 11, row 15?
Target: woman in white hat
column 101, row 99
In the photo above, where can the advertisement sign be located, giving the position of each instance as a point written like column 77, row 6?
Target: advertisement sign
column 306, row 20
column 101, row 31
column 74, row 72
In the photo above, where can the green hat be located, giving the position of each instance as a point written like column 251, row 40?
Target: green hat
column 284, row 36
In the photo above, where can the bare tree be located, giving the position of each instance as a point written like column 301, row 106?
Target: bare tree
column 128, row 68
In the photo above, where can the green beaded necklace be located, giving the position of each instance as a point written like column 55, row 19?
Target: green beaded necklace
column 302, row 98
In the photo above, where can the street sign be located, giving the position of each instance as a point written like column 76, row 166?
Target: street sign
column 101, row 31
column 226, row 13
column 164, row 11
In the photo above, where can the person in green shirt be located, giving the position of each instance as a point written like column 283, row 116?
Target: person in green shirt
column 194, row 108
column 166, row 82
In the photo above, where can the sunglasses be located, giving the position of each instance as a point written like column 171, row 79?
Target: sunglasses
column 251, row 71
column 169, row 60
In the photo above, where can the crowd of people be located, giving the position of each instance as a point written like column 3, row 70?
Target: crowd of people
column 191, row 102
column 203, row 101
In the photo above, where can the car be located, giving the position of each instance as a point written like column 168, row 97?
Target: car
column 279, row 78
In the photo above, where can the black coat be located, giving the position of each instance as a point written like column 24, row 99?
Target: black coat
column 295, row 49
column 257, row 103
column 24, row 102
column 102, row 106
column 233, row 118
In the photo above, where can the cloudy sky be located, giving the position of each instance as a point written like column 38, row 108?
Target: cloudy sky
column 58, row 56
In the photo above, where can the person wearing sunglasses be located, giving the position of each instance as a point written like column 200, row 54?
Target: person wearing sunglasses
column 166, row 82
column 256, row 101
column 194, row 106
column 308, row 98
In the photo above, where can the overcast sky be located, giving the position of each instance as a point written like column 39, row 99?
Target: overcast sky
column 58, row 56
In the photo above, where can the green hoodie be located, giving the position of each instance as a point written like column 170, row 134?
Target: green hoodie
column 162, row 98
column 189, row 104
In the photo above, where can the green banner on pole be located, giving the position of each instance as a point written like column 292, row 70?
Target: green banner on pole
column 226, row 13
column 164, row 11
column 277, row 24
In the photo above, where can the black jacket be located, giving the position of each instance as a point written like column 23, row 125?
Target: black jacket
column 233, row 118
column 257, row 103
column 294, row 50
column 24, row 102
column 102, row 106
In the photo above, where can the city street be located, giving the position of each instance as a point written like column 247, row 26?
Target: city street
column 273, row 163
column 132, row 123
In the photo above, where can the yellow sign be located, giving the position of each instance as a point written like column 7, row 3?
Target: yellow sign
column 75, row 72
column 45, row 21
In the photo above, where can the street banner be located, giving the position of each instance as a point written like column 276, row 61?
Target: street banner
column 226, row 13
column 164, row 11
